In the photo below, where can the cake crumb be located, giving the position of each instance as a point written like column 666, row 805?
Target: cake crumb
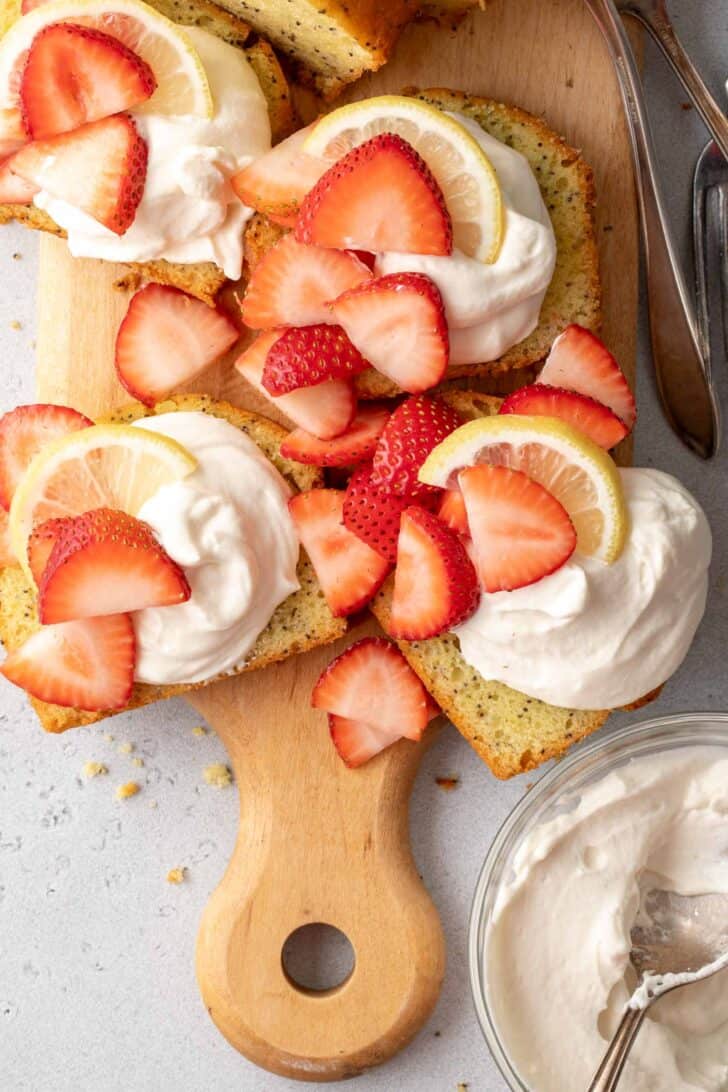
column 125, row 748
column 447, row 783
column 177, row 875
column 124, row 792
column 153, row 804
column 108, row 737
column 94, row 769
column 463, row 1086
column 218, row 775
column 199, row 731
column 139, row 762
column 15, row 325
column 17, row 256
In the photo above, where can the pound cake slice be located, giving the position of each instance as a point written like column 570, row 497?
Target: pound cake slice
column 301, row 622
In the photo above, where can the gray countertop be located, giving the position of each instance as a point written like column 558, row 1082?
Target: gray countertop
column 97, row 986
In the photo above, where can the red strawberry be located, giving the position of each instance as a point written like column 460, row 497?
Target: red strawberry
column 372, row 513
column 7, row 557
column 41, row 543
column 398, row 323
column 87, row 665
column 293, row 284
column 304, row 356
column 520, row 532
column 29, row 5
column 372, row 682
column 100, row 169
column 414, row 429
column 326, row 410
column 580, row 362
column 166, row 339
column 23, row 432
column 380, row 196
column 357, row 742
column 348, row 570
column 582, row 413
column 107, row 562
column 452, row 512
column 352, row 447
column 435, row 584
column 77, row 74
column 14, row 190
column 277, row 183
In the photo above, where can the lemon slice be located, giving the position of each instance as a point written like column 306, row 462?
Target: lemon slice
column 115, row 466
column 461, row 167
column 182, row 85
column 577, row 472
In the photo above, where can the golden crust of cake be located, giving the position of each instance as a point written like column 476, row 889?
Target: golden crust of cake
column 303, row 621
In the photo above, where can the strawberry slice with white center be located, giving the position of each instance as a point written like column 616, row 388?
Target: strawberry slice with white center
column 353, row 446
column 24, row 431
column 452, row 512
column 520, row 532
column 373, row 513
column 580, row 362
column 100, row 169
column 293, row 284
column 357, row 742
column 348, row 570
column 372, row 682
column 381, row 196
column 277, row 182
column 77, row 74
column 578, row 410
column 398, row 323
column 304, row 356
column 41, row 543
column 166, row 339
column 435, row 584
column 415, row 428
column 86, row 665
column 107, row 562
column 325, row 411
column 14, row 190
column 7, row 557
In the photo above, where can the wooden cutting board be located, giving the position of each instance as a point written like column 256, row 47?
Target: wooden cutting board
column 320, row 843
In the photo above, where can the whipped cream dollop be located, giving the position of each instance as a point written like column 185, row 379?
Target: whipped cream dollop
column 490, row 308
column 227, row 524
column 188, row 212
column 596, row 636
column 556, row 955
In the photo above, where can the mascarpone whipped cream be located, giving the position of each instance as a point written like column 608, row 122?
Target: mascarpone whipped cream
column 228, row 526
column 595, row 636
column 189, row 212
column 557, row 947
column 490, row 308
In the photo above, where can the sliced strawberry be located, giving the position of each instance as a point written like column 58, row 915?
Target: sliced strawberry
column 41, row 543
column 29, row 5
column 372, row 682
column 348, row 570
column 381, row 196
column 277, row 183
column 304, row 356
column 435, row 584
column 452, row 512
column 77, row 74
column 23, row 432
column 357, row 742
column 105, row 562
column 326, row 411
column 581, row 412
column 416, row 427
column 7, row 557
column 372, row 513
column 86, row 665
column 520, row 532
column 398, row 323
column 14, row 190
column 580, row 362
column 352, row 447
column 167, row 338
column 100, row 169
column 293, row 284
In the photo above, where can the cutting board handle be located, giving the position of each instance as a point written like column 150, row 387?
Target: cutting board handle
column 317, row 843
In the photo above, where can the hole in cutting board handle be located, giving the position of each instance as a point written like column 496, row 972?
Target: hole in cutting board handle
column 318, row 958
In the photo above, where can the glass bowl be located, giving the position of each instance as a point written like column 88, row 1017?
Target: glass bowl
column 587, row 763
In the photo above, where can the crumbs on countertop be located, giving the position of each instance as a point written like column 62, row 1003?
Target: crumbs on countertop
column 218, row 775
column 125, row 748
column 447, row 783
column 124, row 792
column 15, row 325
column 136, row 761
column 177, row 875
column 94, row 769
column 108, row 737
column 17, row 256
column 199, row 731
column 463, row 1086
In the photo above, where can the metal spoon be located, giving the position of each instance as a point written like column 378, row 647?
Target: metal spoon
column 676, row 940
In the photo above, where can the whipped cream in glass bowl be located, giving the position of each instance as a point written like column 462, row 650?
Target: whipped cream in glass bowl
column 551, row 918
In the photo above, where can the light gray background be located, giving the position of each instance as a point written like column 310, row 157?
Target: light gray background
column 97, row 988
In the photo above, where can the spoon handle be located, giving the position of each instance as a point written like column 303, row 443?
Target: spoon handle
column 609, row 1072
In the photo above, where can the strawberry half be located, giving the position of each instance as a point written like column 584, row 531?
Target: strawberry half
column 398, row 323
column 452, row 512
column 167, row 338
column 435, row 584
column 380, row 196
column 14, row 190
column 372, row 682
column 520, row 532
column 77, row 74
column 352, row 447
column 325, row 411
column 100, row 169
column 277, row 182
column 107, row 562
column 86, row 665
column 357, row 742
column 416, row 427
column 373, row 514
column 41, row 543
column 304, row 356
column 580, row 362
column 293, row 284
column 348, row 570
column 7, row 557
column 578, row 410
column 23, row 432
